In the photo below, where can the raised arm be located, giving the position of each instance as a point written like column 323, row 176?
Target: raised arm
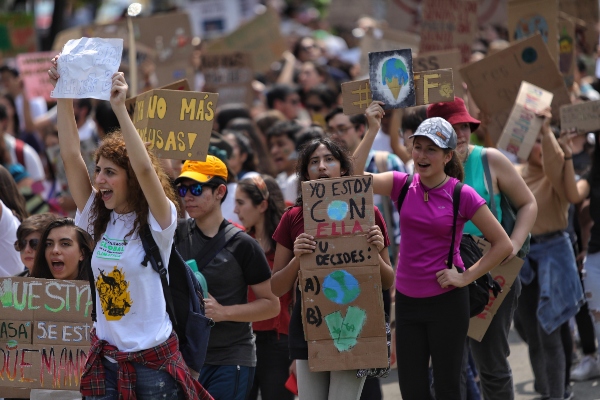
column 514, row 187
column 70, row 151
column 374, row 114
column 138, row 155
column 569, row 182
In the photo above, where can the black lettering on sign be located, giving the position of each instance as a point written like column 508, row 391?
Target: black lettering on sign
column 11, row 330
column 310, row 286
column 312, row 211
column 354, row 207
column 318, row 189
column 313, row 316
column 323, row 249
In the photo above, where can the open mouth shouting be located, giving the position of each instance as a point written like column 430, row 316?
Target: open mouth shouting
column 106, row 194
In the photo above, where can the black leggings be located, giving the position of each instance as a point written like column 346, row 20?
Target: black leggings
column 433, row 327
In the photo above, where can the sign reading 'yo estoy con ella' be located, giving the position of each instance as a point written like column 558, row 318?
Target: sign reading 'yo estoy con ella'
column 340, row 281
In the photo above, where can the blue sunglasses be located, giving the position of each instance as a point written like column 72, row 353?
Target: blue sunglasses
column 195, row 189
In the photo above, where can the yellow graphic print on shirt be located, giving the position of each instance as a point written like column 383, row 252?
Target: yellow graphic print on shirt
column 114, row 294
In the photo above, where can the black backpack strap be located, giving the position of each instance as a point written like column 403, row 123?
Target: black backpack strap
column 403, row 192
column 87, row 265
column 455, row 205
column 490, row 184
column 153, row 255
column 216, row 244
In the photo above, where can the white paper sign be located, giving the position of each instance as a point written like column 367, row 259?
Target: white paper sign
column 86, row 67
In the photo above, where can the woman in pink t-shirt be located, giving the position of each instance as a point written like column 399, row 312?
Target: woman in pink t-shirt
column 432, row 300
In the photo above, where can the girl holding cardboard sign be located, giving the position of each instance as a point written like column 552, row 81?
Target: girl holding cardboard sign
column 134, row 350
column 319, row 159
column 432, row 300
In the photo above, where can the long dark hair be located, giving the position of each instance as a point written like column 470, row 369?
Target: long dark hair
column 41, row 269
column 276, row 205
column 113, row 148
column 454, row 167
column 10, row 195
column 338, row 152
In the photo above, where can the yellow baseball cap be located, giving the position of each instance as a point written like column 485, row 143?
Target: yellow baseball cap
column 203, row 171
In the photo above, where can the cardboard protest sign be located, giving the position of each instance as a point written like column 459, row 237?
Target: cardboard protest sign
column 391, row 78
column 86, row 67
column 230, row 74
column 430, row 87
column 523, row 126
column 449, row 24
column 342, row 307
column 17, row 34
column 345, row 13
column 213, row 18
column 495, row 81
column 447, row 59
column 44, row 333
column 176, row 123
column 585, row 117
column 505, row 275
column 33, row 68
column 181, row 84
column 529, row 17
column 164, row 38
column 385, row 39
column 587, row 11
column 260, row 37
column 566, row 47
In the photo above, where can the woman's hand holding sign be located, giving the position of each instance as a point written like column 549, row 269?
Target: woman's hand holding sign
column 375, row 237
column 304, row 244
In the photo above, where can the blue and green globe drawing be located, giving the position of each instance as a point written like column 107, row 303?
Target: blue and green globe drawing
column 394, row 75
column 341, row 287
column 337, row 210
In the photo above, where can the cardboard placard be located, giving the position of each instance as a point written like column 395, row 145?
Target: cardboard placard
column 495, row 81
column 181, row 84
column 338, row 206
column 566, row 47
column 385, row 39
column 176, row 123
column 529, row 17
column 447, row 59
column 31, row 299
column 30, row 306
column 230, row 74
column 342, row 306
column 15, row 331
column 587, row 11
column 430, row 87
column 260, row 37
column 167, row 37
column 214, row 18
column 585, row 117
column 505, row 275
column 449, row 24
column 33, row 68
column 345, row 13
column 523, row 126
column 39, row 366
column 72, row 333
column 17, row 34
column 391, row 78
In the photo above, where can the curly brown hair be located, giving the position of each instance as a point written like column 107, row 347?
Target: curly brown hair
column 113, row 148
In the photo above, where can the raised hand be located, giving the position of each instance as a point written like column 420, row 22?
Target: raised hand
column 53, row 72
column 118, row 92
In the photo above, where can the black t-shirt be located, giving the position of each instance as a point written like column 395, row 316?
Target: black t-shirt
column 594, row 180
column 240, row 264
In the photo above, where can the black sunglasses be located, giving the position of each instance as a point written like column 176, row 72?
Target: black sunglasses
column 195, row 189
column 21, row 245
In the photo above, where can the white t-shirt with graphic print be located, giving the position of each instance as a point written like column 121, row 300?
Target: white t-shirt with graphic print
column 130, row 306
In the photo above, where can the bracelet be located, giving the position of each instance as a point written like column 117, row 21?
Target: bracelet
column 568, row 158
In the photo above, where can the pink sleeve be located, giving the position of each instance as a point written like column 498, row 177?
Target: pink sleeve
column 399, row 180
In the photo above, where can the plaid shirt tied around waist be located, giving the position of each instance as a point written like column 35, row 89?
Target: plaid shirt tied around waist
column 164, row 357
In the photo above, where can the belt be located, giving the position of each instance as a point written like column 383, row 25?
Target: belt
column 545, row 237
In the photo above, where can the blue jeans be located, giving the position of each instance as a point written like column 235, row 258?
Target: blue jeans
column 150, row 383
column 227, row 382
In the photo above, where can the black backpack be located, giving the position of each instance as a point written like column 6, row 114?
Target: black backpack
column 479, row 289
column 183, row 296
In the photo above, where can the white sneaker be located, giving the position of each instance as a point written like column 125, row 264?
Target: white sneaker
column 588, row 368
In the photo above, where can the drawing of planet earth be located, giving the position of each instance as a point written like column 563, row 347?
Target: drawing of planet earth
column 394, row 75
column 337, row 210
column 341, row 287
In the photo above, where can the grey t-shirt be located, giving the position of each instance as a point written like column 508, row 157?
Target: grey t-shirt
column 240, row 264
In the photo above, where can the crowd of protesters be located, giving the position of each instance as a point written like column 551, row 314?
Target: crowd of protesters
column 248, row 189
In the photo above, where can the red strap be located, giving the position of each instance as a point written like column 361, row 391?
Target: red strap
column 19, row 146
